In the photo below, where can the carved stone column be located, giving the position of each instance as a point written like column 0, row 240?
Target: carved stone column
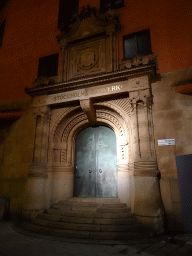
column 35, row 190
column 148, row 206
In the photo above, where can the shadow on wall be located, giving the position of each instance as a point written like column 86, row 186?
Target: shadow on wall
column 4, row 208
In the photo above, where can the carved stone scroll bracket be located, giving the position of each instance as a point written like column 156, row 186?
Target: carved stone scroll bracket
column 88, row 108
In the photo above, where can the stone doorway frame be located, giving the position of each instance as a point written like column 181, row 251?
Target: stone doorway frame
column 133, row 118
column 108, row 113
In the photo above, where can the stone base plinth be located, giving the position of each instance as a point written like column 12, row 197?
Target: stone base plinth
column 148, row 206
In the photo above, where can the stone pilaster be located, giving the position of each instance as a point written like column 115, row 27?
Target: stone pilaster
column 35, row 190
column 134, row 120
column 124, row 184
column 148, row 206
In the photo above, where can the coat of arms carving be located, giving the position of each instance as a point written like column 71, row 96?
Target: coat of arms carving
column 87, row 59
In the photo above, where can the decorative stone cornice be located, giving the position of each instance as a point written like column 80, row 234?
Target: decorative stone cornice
column 99, row 79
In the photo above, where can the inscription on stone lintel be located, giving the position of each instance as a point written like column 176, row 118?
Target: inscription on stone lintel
column 67, row 96
column 61, row 97
column 129, row 85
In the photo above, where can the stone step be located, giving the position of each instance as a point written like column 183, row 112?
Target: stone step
column 55, row 232
column 75, row 214
column 125, row 221
column 110, row 205
column 90, row 208
column 111, row 210
column 126, row 235
column 66, row 226
column 94, row 200
column 89, row 214
column 67, row 203
column 85, row 227
column 90, row 218
column 119, row 215
column 90, row 204
column 76, row 208
column 69, row 219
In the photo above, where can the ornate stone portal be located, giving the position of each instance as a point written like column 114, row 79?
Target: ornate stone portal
column 119, row 99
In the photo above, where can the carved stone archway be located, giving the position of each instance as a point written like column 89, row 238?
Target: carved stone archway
column 67, row 122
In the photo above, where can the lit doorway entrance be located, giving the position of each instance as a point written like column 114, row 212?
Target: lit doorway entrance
column 96, row 163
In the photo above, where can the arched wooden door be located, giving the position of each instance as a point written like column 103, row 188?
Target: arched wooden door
column 96, row 163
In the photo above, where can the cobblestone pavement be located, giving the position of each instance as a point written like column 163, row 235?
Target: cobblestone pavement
column 15, row 242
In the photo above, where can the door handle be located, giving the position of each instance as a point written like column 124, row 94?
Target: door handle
column 100, row 170
column 90, row 171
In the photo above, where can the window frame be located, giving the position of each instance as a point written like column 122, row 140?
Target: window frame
column 2, row 32
column 64, row 9
column 114, row 6
column 43, row 62
column 3, row 3
column 138, row 35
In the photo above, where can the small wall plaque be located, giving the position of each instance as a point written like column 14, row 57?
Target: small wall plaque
column 166, row 142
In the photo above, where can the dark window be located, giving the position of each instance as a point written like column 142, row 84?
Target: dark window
column 2, row 3
column 68, row 12
column 105, row 5
column 2, row 27
column 137, row 43
column 48, row 66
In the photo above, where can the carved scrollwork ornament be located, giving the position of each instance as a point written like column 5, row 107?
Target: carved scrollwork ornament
column 87, row 11
column 111, row 14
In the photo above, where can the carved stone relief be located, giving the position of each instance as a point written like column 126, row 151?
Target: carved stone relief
column 86, row 59
column 90, row 46
column 139, row 60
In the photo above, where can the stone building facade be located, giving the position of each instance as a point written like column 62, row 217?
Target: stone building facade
column 95, row 88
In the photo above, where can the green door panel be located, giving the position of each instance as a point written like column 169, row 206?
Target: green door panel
column 95, row 163
column 106, row 163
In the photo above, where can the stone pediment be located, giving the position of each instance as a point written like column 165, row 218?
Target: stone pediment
column 90, row 23
column 90, row 46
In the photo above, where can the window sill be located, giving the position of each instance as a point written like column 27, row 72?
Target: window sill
column 138, row 60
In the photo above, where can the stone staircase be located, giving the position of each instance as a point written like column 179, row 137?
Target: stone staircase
column 85, row 218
